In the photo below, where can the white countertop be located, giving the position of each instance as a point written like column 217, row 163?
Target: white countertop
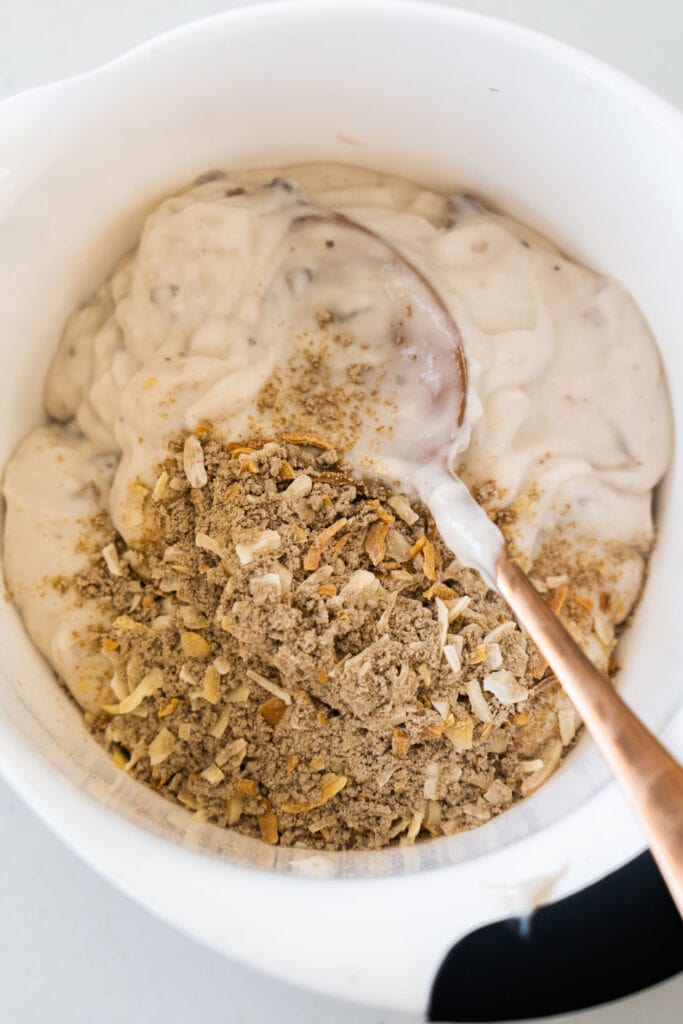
column 72, row 949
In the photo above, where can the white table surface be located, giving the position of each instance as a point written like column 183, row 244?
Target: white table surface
column 72, row 949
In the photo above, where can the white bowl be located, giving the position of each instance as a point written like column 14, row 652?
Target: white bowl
column 449, row 98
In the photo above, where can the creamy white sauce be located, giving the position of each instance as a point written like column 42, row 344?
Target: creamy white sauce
column 235, row 279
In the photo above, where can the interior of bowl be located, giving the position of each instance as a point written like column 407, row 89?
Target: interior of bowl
column 451, row 101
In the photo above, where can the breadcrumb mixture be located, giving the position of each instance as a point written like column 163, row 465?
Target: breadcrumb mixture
column 297, row 655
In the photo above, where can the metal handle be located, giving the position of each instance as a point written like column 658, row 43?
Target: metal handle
column 650, row 776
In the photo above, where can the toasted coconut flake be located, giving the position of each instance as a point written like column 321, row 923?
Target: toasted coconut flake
column 192, row 618
column 169, row 709
column 270, row 686
column 161, row 746
column 458, row 607
column 235, row 808
column 305, row 438
column 330, row 785
column 213, row 775
column 361, row 587
column 461, row 734
column 603, row 630
column 160, row 486
column 327, row 590
column 452, row 653
column 415, row 825
column 207, row 543
column 401, row 507
column 193, row 462
column 161, row 622
column 505, row 687
column 314, row 553
column 118, row 756
column 173, row 553
column 317, row 764
column 557, row 600
column 431, row 783
column 494, row 656
column 135, row 504
column 552, row 753
column 268, row 586
column 499, row 632
column 478, row 701
column 553, row 582
column 417, row 547
column 285, row 575
column 267, row 542
column 429, row 555
column 432, row 820
column 478, row 810
column 194, row 645
column 111, row 559
column 375, row 542
column 567, row 721
column 425, row 674
column 185, row 675
column 119, row 686
column 234, row 752
column 440, row 590
column 272, row 711
column 316, row 579
column 136, row 754
column 383, row 621
column 400, row 743
column 381, row 512
column 584, row 602
column 267, row 822
column 300, row 487
column 442, row 618
column 124, row 624
column 478, row 656
column 152, row 682
column 238, row 695
column 398, row 547
column 221, row 724
column 442, row 706
column 211, row 685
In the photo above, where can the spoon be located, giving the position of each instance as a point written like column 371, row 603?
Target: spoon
column 422, row 457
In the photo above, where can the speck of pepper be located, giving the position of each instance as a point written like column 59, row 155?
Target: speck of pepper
column 251, row 341
column 525, row 243
column 329, row 242
column 557, row 267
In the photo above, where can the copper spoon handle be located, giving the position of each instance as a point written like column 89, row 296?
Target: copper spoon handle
column 649, row 775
